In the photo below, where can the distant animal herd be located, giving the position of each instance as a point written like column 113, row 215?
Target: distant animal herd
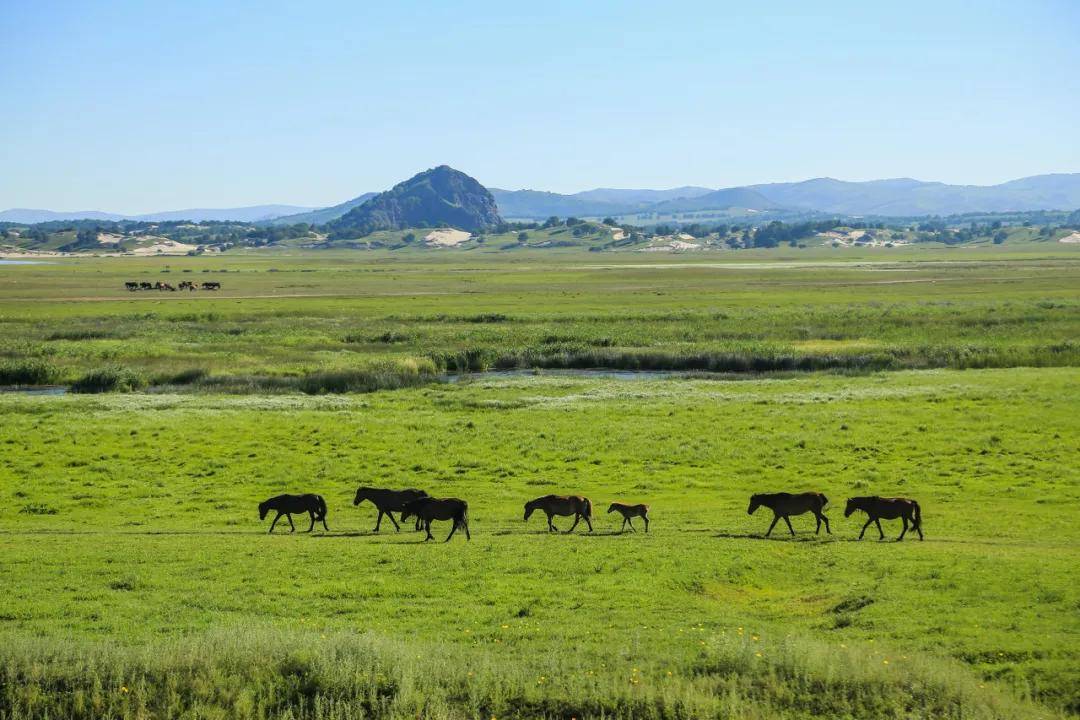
column 414, row 503
column 132, row 286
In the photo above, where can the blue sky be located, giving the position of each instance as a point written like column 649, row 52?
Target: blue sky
column 142, row 106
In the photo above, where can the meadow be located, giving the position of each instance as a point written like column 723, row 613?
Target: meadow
column 140, row 583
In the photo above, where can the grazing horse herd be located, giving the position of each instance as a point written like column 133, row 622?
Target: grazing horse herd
column 132, row 286
column 414, row 503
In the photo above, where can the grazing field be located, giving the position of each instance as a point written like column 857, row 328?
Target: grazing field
column 139, row 581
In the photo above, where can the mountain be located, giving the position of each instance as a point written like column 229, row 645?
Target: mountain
column 537, row 204
column 905, row 197
column 434, row 197
column 719, row 200
column 324, row 215
column 243, row 214
column 30, row 216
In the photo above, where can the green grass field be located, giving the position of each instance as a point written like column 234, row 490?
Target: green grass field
column 139, row 581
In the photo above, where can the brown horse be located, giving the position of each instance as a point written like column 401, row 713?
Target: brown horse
column 630, row 511
column 877, row 508
column 429, row 508
column 784, row 505
column 286, row 505
column 578, row 506
column 388, row 502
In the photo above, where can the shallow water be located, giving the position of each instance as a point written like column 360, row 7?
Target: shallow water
column 23, row 262
column 36, row 390
column 567, row 372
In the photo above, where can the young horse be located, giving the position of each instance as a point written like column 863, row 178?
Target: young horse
column 877, row 508
column 286, row 505
column 427, row 509
column 629, row 511
column 388, row 502
column 786, row 504
column 575, row 505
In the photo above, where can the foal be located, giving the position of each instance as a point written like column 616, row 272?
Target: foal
column 578, row 506
column 427, row 509
column 786, row 504
column 630, row 511
column 286, row 505
column 877, row 508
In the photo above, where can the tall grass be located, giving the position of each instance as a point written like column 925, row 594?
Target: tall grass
column 28, row 372
column 113, row 378
column 263, row 674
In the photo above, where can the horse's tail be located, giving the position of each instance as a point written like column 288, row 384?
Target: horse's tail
column 588, row 508
column 917, row 514
column 463, row 516
column 320, row 507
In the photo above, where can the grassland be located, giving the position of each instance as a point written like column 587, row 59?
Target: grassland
column 140, row 583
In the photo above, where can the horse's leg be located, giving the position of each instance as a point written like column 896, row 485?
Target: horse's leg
column 577, row 519
column 378, row 521
column 390, row 515
column 278, row 517
column 623, row 527
column 826, row 519
column 453, row 528
column 311, row 514
column 323, row 520
column 918, row 526
column 289, row 516
column 775, row 519
column 903, row 532
column 427, row 527
column 631, row 524
column 788, row 521
column 465, row 524
column 880, row 531
column 818, row 528
column 646, row 519
column 868, row 521
column 588, row 522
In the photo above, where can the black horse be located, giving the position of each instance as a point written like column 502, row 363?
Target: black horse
column 429, row 508
column 286, row 505
column 877, row 508
column 388, row 502
column 785, row 504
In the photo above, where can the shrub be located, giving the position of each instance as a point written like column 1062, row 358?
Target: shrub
column 109, row 379
column 28, row 372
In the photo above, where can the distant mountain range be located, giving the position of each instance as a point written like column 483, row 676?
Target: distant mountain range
column 255, row 213
column 895, row 197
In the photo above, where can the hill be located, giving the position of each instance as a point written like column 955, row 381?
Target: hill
column 908, row 197
column 440, row 196
column 745, row 198
column 323, row 215
column 537, row 204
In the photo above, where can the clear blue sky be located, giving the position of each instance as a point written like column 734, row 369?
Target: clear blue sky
column 142, row 106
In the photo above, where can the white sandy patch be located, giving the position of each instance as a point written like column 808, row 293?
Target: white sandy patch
column 684, row 236
column 165, row 247
column 618, row 234
column 446, row 238
column 1073, row 239
column 109, row 239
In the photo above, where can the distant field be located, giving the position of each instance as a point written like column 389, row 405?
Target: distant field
column 140, row 583
column 288, row 315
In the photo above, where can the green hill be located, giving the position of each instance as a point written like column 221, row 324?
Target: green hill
column 441, row 196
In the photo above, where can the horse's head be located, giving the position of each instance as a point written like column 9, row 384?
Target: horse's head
column 755, row 503
column 529, row 507
column 263, row 509
column 611, row 508
column 361, row 495
column 408, row 510
column 851, row 507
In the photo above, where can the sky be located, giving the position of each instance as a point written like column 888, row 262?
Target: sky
column 146, row 106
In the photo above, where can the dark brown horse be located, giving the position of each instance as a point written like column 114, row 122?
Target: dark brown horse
column 878, row 508
column 286, row 505
column 784, row 505
column 388, row 502
column 578, row 506
column 630, row 511
column 429, row 508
